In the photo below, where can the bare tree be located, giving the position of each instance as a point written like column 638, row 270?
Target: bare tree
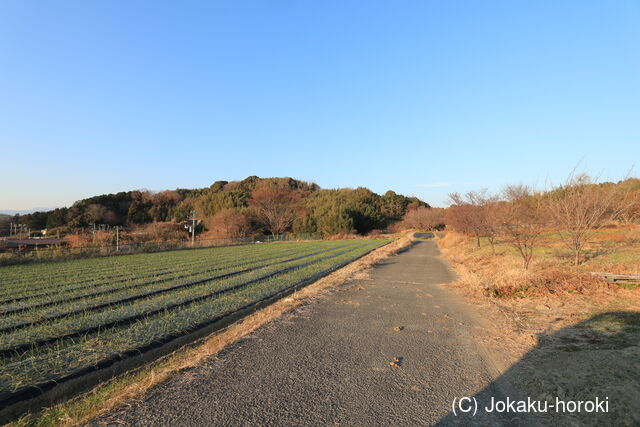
column 492, row 222
column 276, row 205
column 472, row 214
column 520, row 220
column 424, row 218
column 229, row 224
column 579, row 207
column 627, row 208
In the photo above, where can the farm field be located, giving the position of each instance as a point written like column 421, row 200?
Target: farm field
column 59, row 319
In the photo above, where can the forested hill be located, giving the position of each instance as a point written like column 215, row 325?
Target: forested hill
column 305, row 207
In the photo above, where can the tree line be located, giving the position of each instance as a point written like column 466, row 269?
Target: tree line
column 519, row 215
column 252, row 206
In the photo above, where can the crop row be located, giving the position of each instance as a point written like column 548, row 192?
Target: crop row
column 79, row 267
column 149, row 324
column 88, row 322
column 15, row 274
column 63, row 292
column 131, row 294
column 95, row 279
column 127, row 268
column 31, row 287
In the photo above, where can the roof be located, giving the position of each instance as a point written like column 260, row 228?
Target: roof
column 14, row 243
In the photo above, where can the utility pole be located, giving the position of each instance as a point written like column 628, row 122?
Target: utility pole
column 18, row 229
column 117, row 239
column 193, row 228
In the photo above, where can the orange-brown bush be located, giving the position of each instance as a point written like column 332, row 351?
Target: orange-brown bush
column 472, row 214
column 423, row 218
column 553, row 281
column 83, row 240
column 166, row 231
column 104, row 238
column 396, row 227
column 229, row 224
column 343, row 236
column 77, row 240
column 276, row 205
column 154, row 232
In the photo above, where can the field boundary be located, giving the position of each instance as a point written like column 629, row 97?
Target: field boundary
column 52, row 392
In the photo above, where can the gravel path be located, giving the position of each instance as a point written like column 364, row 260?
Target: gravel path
column 393, row 349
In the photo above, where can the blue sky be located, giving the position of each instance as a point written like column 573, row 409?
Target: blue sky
column 424, row 97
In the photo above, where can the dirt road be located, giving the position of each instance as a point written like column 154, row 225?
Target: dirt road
column 392, row 349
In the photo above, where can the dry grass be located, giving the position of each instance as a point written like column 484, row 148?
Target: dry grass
column 615, row 249
column 548, row 284
column 524, row 305
column 555, row 329
column 109, row 396
column 501, row 275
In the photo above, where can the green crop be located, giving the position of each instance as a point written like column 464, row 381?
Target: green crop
column 61, row 318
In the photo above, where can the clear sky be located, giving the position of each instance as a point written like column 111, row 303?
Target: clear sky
column 423, row 97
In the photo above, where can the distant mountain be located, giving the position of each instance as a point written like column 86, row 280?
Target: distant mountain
column 25, row 211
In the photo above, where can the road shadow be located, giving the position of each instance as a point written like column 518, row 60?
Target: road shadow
column 598, row 358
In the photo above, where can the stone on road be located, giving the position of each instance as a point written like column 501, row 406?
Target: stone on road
column 392, row 349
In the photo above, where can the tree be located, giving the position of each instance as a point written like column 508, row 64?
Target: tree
column 304, row 224
column 5, row 221
column 627, row 204
column 95, row 213
column 393, row 205
column 163, row 205
column 276, row 205
column 470, row 214
column 519, row 220
column 334, row 221
column 138, row 212
column 36, row 220
column 630, row 211
column 230, row 224
column 327, row 212
column 57, row 218
column 336, row 211
column 218, row 186
column 578, row 208
column 424, row 218
column 363, row 206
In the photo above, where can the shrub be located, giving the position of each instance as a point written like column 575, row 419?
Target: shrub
column 229, row 224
